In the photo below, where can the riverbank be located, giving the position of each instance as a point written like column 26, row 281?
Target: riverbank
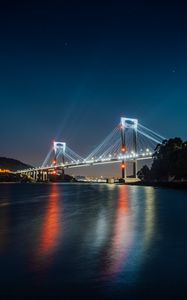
column 173, row 185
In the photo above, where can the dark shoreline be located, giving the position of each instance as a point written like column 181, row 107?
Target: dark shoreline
column 172, row 185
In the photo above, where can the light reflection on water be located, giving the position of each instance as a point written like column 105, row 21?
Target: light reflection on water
column 77, row 233
column 122, row 235
column 112, row 225
column 132, row 231
column 149, row 216
column 49, row 230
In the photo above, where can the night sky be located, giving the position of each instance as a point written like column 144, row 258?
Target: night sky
column 70, row 69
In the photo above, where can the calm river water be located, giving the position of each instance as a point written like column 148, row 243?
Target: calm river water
column 91, row 241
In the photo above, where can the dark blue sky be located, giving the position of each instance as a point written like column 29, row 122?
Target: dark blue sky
column 71, row 69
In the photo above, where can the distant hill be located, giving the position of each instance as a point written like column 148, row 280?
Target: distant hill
column 12, row 164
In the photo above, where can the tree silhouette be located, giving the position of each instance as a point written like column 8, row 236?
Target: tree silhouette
column 169, row 161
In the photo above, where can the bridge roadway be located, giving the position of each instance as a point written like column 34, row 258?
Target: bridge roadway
column 97, row 162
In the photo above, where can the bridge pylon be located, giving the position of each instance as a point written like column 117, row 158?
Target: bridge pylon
column 123, row 150
column 135, row 151
column 128, row 123
column 59, row 151
column 59, row 156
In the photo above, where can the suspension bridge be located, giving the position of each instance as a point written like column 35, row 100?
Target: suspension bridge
column 129, row 142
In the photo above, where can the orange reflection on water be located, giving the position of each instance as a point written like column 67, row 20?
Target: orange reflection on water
column 51, row 224
column 50, row 230
column 122, row 238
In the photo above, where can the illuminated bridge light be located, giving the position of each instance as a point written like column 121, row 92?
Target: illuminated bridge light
column 5, row 171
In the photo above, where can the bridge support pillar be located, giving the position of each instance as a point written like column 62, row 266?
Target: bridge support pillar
column 41, row 176
column 135, row 168
column 33, row 175
column 123, row 151
column 62, row 172
column 123, row 170
column 135, row 151
column 44, row 177
column 47, row 174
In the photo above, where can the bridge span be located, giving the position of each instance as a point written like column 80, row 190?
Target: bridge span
column 129, row 142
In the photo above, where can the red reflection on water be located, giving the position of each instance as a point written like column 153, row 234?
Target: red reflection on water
column 122, row 235
column 51, row 225
column 50, row 230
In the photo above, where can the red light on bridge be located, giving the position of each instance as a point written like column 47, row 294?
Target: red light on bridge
column 123, row 166
column 123, row 149
column 54, row 172
column 54, row 162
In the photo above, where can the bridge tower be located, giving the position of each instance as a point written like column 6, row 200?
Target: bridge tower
column 135, row 149
column 128, row 123
column 59, row 151
column 123, row 150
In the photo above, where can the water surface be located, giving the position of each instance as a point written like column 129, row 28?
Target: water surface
column 91, row 241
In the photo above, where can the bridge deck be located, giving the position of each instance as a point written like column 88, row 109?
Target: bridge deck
column 85, row 164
